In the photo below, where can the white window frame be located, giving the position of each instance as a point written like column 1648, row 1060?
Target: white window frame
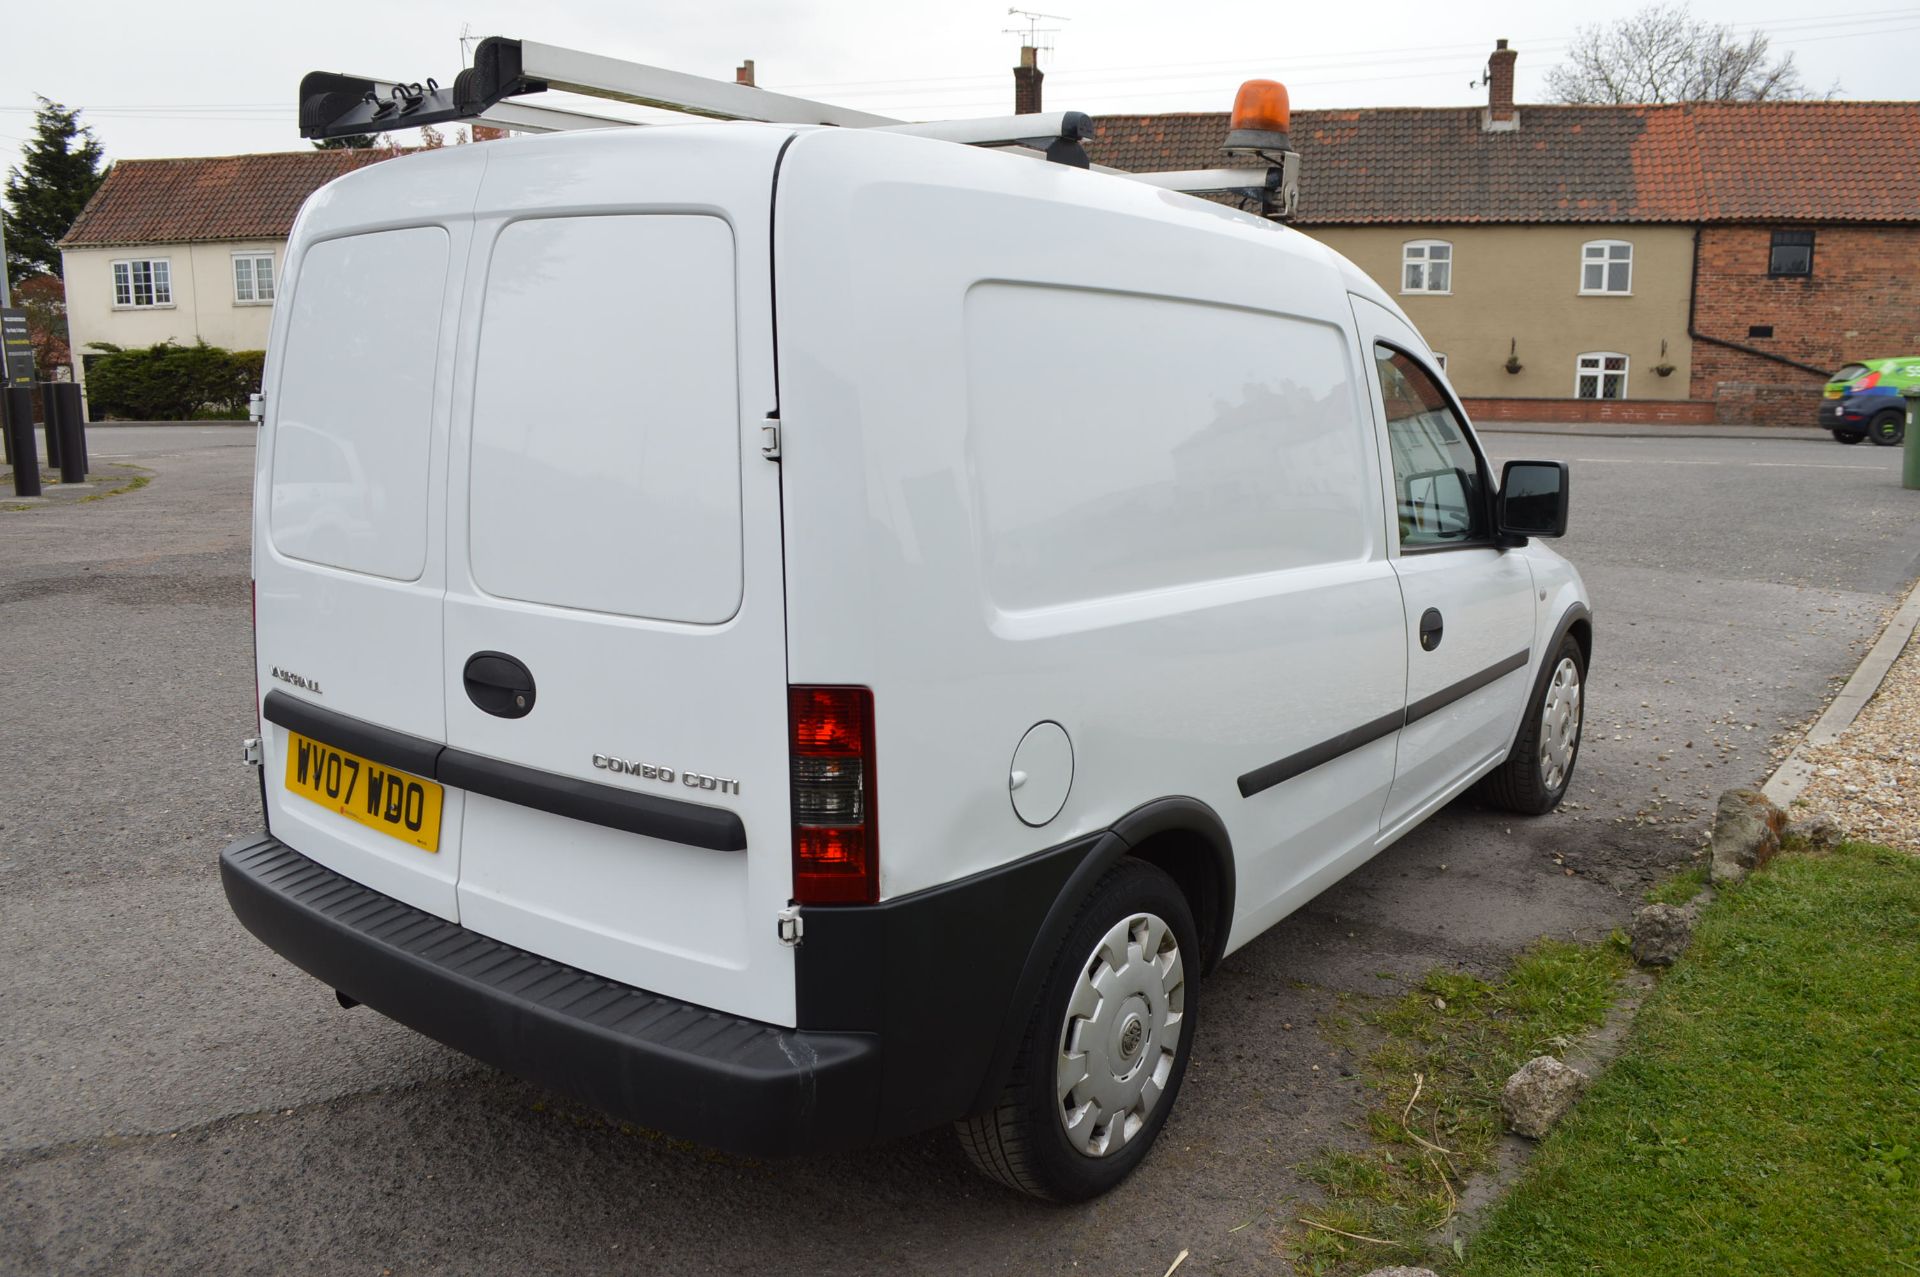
column 1602, row 372
column 1605, row 261
column 253, row 259
column 158, row 281
column 1425, row 261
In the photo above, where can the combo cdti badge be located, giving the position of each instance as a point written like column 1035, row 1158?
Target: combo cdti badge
column 941, row 603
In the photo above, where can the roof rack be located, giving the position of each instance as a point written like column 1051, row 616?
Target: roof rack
column 337, row 105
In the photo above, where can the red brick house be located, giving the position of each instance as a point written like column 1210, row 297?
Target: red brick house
column 1698, row 262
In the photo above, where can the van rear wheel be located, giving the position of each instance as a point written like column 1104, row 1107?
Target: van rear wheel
column 1107, row 1046
column 1536, row 774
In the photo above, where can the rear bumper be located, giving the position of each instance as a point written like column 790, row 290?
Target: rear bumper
column 685, row 1070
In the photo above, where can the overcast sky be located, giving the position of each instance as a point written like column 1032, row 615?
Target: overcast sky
column 213, row 77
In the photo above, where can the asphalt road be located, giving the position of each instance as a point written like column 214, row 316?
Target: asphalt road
column 174, row 1098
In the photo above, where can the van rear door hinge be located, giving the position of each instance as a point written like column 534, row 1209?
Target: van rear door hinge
column 791, row 926
column 770, row 436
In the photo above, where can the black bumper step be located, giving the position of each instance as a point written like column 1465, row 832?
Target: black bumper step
column 688, row 1071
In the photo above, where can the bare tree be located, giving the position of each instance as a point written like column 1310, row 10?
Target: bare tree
column 1664, row 54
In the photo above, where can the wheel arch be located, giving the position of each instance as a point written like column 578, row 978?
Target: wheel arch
column 1183, row 837
column 1575, row 623
column 1579, row 624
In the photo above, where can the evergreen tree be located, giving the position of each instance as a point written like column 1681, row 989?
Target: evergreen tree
column 346, row 142
column 61, row 173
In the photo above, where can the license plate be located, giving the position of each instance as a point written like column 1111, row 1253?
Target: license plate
column 394, row 803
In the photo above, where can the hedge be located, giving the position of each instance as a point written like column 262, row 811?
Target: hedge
column 171, row 382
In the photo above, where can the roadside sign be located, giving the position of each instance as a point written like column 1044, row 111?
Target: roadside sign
column 17, row 367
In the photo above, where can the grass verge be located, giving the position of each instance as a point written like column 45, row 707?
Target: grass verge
column 1680, row 888
column 1765, row 1116
column 1436, row 1059
column 134, row 484
column 140, row 477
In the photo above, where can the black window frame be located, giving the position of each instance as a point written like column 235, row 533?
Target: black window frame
column 1790, row 239
column 1489, row 498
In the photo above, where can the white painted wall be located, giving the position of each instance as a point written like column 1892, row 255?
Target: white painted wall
column 203, row 306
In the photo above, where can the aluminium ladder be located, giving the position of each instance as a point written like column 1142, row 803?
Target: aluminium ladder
column 335, row 105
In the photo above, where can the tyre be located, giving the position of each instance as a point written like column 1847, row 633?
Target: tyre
column 1102, row 1058
column 1842, row 437
column 1888, row 428
column 1536, row 774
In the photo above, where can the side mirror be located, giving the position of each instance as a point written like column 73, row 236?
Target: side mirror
column 1533, row 499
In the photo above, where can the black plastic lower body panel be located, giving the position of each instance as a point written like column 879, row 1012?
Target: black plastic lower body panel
column 938, row 977
column 685, row 1070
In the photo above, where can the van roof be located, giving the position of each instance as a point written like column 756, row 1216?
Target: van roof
column 352, row 199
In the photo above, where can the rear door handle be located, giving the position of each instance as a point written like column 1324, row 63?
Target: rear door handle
column 499, row 684
column 1431, row 628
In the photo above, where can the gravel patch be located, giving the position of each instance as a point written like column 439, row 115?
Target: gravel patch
column 1869, row 779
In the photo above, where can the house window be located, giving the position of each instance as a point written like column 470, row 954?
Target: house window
column 1426, row 266
column 1602, row 375
column 252, row 278
column 143, row 282
column 1792, row 253
column 1606, row 267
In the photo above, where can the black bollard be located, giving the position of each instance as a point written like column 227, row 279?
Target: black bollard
column 19, row 426
column 49, row 416
column 72, row 432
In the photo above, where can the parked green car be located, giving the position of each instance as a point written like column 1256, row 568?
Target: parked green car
column 1863, row 400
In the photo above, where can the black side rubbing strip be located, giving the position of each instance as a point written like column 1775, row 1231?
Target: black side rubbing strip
column 670, row 819
column 1262, row 778
column 381, row 744
column 1466, row 686
column 1315, row 755
column 695, row 824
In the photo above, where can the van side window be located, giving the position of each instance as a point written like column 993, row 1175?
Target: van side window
column 1436, row 473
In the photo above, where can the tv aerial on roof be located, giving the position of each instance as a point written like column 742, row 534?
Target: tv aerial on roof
column 1030, row 37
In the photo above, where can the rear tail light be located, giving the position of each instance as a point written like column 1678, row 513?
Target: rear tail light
column 836, row 848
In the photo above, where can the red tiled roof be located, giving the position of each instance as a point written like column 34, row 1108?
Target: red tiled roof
column 1698, row 162
column 207, row 198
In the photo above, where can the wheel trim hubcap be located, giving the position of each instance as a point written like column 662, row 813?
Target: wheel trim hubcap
column 1560, row 724
column 1120, row 1035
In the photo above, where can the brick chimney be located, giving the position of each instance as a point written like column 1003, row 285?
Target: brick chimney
column 743, row 74
column 1501, row 114
column 1026, row 82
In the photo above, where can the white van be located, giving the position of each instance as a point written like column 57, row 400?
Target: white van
column 800, row 635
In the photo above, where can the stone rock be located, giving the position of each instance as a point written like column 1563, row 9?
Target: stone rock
column 1401, row 1270
column 1539, row 1094
column 1746, row 834
column 1661, row 933
column 1820, row 832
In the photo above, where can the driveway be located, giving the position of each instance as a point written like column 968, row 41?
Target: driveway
column 178, row 1099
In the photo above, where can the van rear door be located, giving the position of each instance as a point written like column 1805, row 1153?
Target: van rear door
column 349, row 531
column 614, row 653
